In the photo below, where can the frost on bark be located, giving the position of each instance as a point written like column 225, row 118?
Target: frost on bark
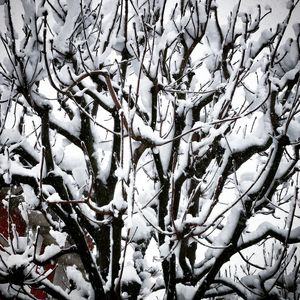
column 151, row 148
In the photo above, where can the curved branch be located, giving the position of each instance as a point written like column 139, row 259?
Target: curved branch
column 267, row 229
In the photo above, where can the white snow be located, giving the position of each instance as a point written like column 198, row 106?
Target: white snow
column 60, row 237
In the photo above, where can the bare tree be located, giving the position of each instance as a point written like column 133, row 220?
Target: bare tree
column 149, row 129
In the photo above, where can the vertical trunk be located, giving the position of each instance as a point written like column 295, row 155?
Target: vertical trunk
column 117, row 226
